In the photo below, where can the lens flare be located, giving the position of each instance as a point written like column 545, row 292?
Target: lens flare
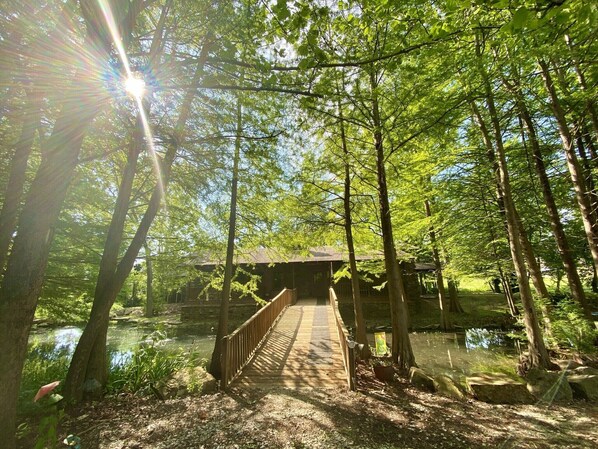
column 135, row 86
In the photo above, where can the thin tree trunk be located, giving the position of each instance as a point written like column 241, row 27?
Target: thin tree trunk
column 360, row 329
column 16, row 180
column 584, row 87
column 215, row 367
column 402, row 353
column 506, row 285
column 534, row 267
column 538, row 354
column 149, row 302
column 445, row 322
column 555, row 220
column 577, row 177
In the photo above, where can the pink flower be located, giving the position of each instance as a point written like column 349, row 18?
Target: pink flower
column 45, row 390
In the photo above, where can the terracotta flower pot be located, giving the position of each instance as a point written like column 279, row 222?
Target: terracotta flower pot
column 384, row 373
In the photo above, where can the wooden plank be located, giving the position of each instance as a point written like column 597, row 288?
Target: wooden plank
column 302, row 350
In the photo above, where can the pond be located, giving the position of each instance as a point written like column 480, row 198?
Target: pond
column 51, row 343
column 455, row 354
column 460, row 353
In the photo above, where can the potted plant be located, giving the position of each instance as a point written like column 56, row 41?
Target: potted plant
column 383, row 368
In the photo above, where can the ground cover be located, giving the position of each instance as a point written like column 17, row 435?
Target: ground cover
column 379, row 415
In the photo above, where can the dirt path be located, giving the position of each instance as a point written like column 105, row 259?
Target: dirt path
column 377, row 416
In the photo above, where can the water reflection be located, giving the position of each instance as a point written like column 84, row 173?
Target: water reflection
column 460, row 353
column 53, row 344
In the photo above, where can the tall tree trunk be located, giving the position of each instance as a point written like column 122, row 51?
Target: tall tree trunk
column 555, row 220
column 581, row 79
column 215, row 367
column 528, row 252
column 360, row 329
column 402, row 353
column 538, row 354
column 453, row 293
column 26, row 265
column 577, row 177
column 18, row 168
column 89, row 359
column 149, row 289
column 503, row 280
column 445, row 322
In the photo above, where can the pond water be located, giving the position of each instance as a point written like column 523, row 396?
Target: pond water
column 50, row 343
column 460, row 353
column 455, row 354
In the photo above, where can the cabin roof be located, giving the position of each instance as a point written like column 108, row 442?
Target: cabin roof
column 267, row 256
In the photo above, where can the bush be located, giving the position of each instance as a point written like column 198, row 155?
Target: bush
column 44, row 364
column 571, row 329
column 147, row 365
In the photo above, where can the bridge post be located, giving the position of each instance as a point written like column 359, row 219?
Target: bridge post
column 224, row 363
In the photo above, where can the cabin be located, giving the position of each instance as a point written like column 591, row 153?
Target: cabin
column 310, row 272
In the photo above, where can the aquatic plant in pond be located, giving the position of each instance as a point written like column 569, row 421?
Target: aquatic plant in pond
column 147, row 365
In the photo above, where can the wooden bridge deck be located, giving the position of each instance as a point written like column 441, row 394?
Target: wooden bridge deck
column 302, row 351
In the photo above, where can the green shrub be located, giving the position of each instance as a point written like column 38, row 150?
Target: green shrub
column 147, row 365
column 571, row 329
column 44, row 364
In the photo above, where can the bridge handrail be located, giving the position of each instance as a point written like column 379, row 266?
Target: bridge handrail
column 239, row 346
column 347, row 343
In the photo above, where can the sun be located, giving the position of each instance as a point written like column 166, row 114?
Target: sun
column 135, row 86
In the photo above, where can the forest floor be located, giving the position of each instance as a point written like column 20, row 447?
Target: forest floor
column 378, row 415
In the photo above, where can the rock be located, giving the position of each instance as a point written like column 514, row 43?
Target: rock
column 446, row 386
column 548, row 386
column 584, row 386
column 419, row 378
column 189, row 381
column 92, row 389
column 585, row 370
column 567, row 364
column 498, row 388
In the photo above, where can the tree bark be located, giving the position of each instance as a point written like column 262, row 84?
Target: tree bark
column 402, row 353
column 360, row 329
column 89, row 359
column 16, row 180
column 26, row 265
column 555, row 220
column 445, row 322
column 215, row 366
column 538, row 354
column 149, row 289
column 577, row 177
column 532, row 263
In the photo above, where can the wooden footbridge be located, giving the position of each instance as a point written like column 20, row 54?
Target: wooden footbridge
column 290, row 343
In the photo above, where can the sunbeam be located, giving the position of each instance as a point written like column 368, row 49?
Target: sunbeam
column 136, row 87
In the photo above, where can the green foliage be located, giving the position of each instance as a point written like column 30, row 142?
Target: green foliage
column 570, row 329
column 148, row 365
column 44, row 364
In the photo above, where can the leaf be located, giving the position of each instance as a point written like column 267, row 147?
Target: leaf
column 521, row 18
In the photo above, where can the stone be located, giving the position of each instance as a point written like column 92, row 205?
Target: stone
column 92, row 389
column 567, row 364
column 189, row 381
column 446, row 386
column 548, row 386
column 585, row 370
column 498, row 388
column 420, row 379
column 584, row 386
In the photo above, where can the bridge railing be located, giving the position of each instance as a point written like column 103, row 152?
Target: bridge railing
column 347, row 343
column 239, row 347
